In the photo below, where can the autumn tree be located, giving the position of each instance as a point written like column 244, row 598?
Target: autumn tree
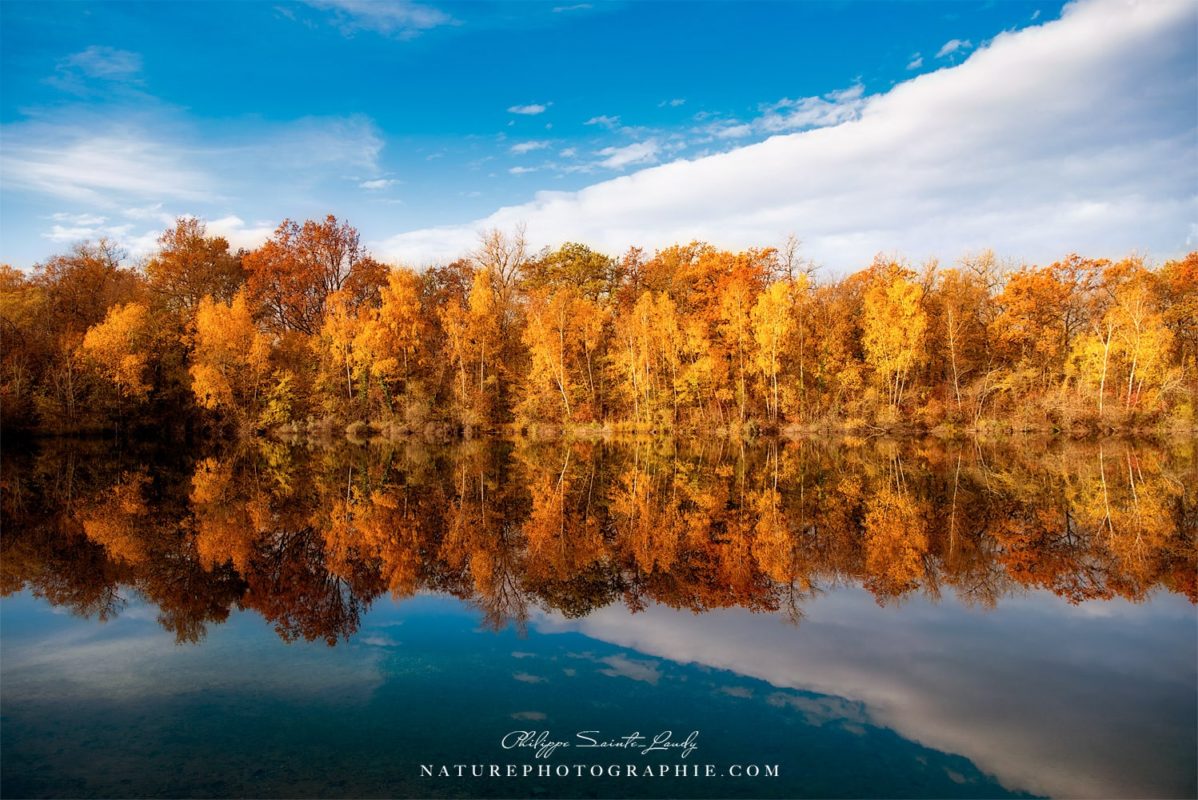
column 230, row 362
column 474, row 336
column 189, row 265
column 1144, row 337
column 594, row 275
column 960, row 300
column 562, row 335
column 122, row 348
column 393, row 341
column 773, row 325
column 894, row 327
column 291, row 276
column 340, row 363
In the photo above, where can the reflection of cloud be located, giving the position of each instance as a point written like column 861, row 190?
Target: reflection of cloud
column 130, row 659
column 534, row 716
column 1047, row 700
column 526, row 677
column 737, row 691
column 622, row 667
column 819, row 710
column 380, row 641
column 520, row 654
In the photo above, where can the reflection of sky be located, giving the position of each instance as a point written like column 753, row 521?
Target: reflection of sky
column 1090, row 701
column 1095, row 701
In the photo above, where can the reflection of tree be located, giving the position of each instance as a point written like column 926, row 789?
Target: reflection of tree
column 896, row 539
column 482, row 541
column 309, row 540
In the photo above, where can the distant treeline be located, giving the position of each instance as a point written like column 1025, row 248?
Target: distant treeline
column 309, row 330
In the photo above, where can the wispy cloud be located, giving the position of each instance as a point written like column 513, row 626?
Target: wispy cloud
column 119, row 177
column 953, row 46
column 814, row 112
column 575, row 7
column 522, row 170
column 673, row 103
column 399, row 19
column 104, row 62
column 916, row 61
column 732, row 130
column 376, row 184
column 99, row 167
column 787, row 115
column 520, row 148
column 532, row 109
column 604, row 120
column 79, row 219
column 635, row 153
column 98, row 69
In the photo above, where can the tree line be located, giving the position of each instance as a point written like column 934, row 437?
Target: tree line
column 309, row 331
column 309, row 538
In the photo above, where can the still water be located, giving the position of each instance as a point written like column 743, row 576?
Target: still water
column 844, row 619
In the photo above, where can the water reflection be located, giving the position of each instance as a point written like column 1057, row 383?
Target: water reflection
column 309, row 539
column 1060, row 660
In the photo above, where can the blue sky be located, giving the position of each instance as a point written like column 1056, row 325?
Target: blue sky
column 407, row 117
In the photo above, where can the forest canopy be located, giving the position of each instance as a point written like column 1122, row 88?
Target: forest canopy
column 310, row 331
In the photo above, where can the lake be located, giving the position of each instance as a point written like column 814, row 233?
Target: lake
column 849, row 618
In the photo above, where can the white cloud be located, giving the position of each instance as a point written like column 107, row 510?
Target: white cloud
column 522, row 170
column 108, row 63
column 952, row 46
column 604, row 120
column 79, row 219
column 152, row 212
column 672, row 103
column 569, row 152
column 814, row 112
column 916, row 61
column 520, row 148
column 238, row 233
column 788, row 115
column 532, row 109
column 735, row 131
column 305, row 145
column 76, row 233
column 133, row 169
column 398, row 18
column 376, row 184
column 575, row 7
column 139, row 241
column 83, row 165
column 1078, row 134
column 635, row 153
